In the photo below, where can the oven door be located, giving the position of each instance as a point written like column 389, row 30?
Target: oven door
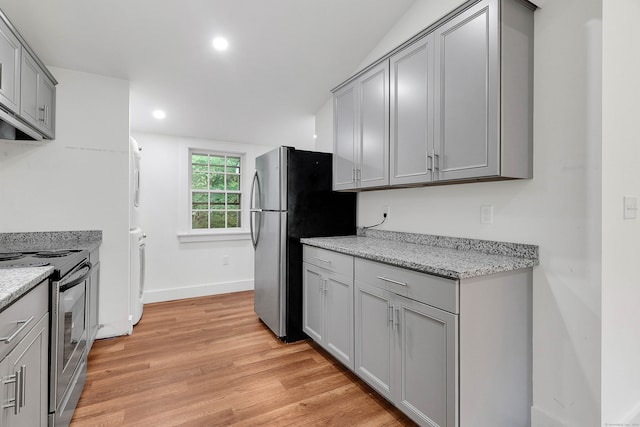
column 68, row 330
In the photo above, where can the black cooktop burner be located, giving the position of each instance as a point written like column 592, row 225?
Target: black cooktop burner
column 25, row 265
column 10, row 256
column 53, row 254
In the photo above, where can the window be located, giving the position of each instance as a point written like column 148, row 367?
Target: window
column 215, row 190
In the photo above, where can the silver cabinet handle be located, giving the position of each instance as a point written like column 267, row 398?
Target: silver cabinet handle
column 397, row 319
column 22, row 387
column 390, row 314
column 429, row 162
column 391, row 281
column 0, row 75
column 23, row 324
column 437, row 161
column 322, row 259
column 43, row 111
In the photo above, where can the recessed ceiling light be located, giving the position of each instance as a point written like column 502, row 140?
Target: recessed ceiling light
column 159, row 114
column 315, row 136
column 220, row 43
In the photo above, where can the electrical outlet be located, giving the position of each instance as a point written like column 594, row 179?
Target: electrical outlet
column 385, row 211
column 486, row 214
column 225, row 260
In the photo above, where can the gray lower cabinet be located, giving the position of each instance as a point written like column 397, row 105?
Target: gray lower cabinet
column 448, row 353
column 24, row 369
column 9, row 69
column 93, row 299
column 361, row 131
column 408, row 352
column 328, row 302
column 38, row 92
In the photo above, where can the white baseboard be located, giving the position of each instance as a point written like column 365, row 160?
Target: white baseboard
column 197, row 291
column 540, row 418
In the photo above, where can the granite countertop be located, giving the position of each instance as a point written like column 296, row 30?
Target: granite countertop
column 49, row 241
column 15, row 282
column 450, row 257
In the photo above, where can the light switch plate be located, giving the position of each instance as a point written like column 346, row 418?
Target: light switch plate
column 630, row 207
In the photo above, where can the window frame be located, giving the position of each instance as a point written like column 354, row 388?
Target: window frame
column 190, row 234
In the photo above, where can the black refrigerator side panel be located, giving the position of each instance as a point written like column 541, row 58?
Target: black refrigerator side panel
column 314, row 210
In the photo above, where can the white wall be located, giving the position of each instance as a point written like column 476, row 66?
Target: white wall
column 559, row 209
column 177, row 269
column 79, row 181
column 620, row 238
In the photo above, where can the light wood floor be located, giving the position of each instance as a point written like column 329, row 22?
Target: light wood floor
column 210, row 362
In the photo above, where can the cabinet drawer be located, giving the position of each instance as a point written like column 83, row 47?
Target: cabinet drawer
column 432, row 290
column 329, row 260
column 17, row 320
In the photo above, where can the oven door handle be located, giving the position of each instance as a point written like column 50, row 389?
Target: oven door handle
column 71, row 284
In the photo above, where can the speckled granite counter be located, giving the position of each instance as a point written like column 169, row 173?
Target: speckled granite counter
column 47, row 241
column 451, row 257
column 15, row 282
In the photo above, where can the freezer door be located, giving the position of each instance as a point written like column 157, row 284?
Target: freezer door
column 271, row 168
column 270, row 275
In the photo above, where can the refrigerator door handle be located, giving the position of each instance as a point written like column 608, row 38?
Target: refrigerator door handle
column 255, row 234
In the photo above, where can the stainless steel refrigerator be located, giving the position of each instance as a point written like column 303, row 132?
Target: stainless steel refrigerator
column 291, row 198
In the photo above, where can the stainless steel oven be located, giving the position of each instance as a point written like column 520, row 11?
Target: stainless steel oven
column 69, row 335
column 68, row 326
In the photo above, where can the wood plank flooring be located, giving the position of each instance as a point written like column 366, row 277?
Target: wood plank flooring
column 210, row 362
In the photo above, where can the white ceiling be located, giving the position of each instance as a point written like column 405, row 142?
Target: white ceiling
column 284, row 57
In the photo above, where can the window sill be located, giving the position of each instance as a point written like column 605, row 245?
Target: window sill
column 213, row 236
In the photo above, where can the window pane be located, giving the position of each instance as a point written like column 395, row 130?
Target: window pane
column 199, row 219
column 233, row 165
column 233, row 182
column 217, row 169
column 216, row 160
column 217, row 181
column 199, row 159
column 217, row 219
column 217, row 201
column 233, row 219
column 199, row 181
column 199, row 201
column 233, row 201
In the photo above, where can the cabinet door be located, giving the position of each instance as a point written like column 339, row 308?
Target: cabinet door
column 426, row 345
column 46, row 105
column 29, row 89
column 467, row 79
column 345, row 137
column 9, row 69
column 338, row 317
column 373, row 337
column 313, row 288
column 411, row 124
column 374, row 127
column 26, row 382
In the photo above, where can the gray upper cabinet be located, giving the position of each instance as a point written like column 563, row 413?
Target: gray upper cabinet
column 411, row 94
column 460, row 102
column 9, row 69
column 38, row 96
column 27, row 89
column 345, row 138
column 361, row 131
